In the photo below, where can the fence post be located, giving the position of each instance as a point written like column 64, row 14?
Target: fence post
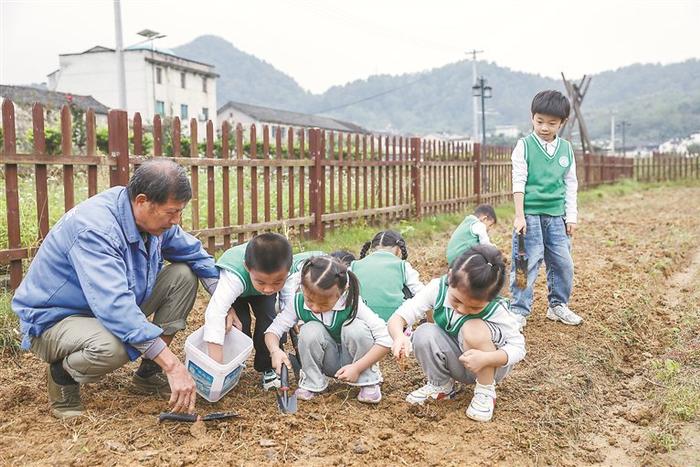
column 14, row 239
column 587, row 169
column 477, row 172
column 315, row 186
column 416, row 177
column 118, row 130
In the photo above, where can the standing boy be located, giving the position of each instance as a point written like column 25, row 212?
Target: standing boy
column 544, row 193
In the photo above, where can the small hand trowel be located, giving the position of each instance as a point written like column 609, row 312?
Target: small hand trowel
column 285, row 402
column 191, row 418
column 521, row 263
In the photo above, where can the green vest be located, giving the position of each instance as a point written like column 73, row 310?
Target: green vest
column 545, row 190
column 340, row 317
column 442, row 315
column 299, row 258
column 233, row 260
column 462, row 239
column 382, row 276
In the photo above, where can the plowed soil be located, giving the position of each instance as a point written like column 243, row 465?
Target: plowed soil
column 581, row 396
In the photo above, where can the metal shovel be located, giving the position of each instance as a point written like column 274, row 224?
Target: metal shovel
column 521, row 263
column 285, row 402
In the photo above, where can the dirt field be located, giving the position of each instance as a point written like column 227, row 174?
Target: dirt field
column 585, row 395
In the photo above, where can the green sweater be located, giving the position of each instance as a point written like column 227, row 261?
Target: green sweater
column 233, row 260
column 545, row 190
column 462, row 239
column 443, row 315
column 382, row 276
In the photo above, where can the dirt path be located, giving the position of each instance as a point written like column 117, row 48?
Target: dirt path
column 582, row 396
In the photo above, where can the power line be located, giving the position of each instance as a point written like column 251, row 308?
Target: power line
column 373, row 96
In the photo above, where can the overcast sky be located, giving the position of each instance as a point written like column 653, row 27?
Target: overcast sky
column 323, row 43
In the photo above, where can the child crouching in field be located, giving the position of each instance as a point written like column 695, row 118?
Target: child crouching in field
column 386, row 278
column 471, row 232
column 252, row 274
column 341, row 337
column 474, row 339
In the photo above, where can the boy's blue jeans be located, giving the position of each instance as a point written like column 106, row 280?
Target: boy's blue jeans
column 545, row 240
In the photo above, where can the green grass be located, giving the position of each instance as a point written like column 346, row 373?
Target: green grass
column 9, row 326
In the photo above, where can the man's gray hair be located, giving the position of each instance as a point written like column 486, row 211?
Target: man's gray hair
column 160, row 179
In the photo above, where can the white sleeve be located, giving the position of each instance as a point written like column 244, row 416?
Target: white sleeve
column 412, row 279
column 377, row 326
column 414, row 309
column 227, row 291
column 514, row 341
column 479, row 229
column 285, row 319
column 519, row 167
column 571, row 183
column 289, row 290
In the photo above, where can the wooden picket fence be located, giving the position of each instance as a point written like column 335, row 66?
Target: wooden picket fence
column 302, row 184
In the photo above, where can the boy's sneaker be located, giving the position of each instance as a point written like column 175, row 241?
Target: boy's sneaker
column 270, row 380
column 370, row 394
column 521, row 320
column 483, row 402
column 431, row 391
column 564, row 314
column 64, row 398
column 305, row 394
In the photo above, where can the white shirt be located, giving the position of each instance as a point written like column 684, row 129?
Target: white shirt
column 478, row 228
column 288, row 318
column 229, row 288
column 512, row 341
column 570, row 180
column 412, row 279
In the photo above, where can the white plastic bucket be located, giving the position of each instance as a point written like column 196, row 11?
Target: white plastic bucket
column 215, row 379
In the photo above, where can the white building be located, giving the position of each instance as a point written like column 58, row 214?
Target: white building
column 680, row 146
column 507, row 131
column 157, row 81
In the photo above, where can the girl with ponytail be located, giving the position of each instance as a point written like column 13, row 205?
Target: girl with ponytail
column 386, row 277
column 341, row 336
column 475, row 338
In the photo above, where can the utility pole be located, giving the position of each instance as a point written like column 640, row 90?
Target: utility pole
column 121, row 76
column 475, row 99
column 481, row 90
column 612, row 133
column 624, row 124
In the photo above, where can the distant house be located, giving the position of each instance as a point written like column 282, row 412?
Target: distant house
column 157, row 81
column 681, row 146
column 507, row 131
column 24, row 98
column 246, row 114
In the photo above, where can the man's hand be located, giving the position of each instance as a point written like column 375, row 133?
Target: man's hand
column 348, row 373
column 182, row 388
column 570, row 229
column 279, row 357
column 475, row 360
column 520, row 225
column 232, row 321
column 402, row 347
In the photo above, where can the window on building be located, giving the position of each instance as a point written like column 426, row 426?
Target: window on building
column 182, row 80
column 204, row 84
column 159, row 75
column 160, row 108
column 205, row 113
column 183, row 111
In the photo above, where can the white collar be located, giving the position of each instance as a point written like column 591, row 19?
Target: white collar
column 544, row 143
